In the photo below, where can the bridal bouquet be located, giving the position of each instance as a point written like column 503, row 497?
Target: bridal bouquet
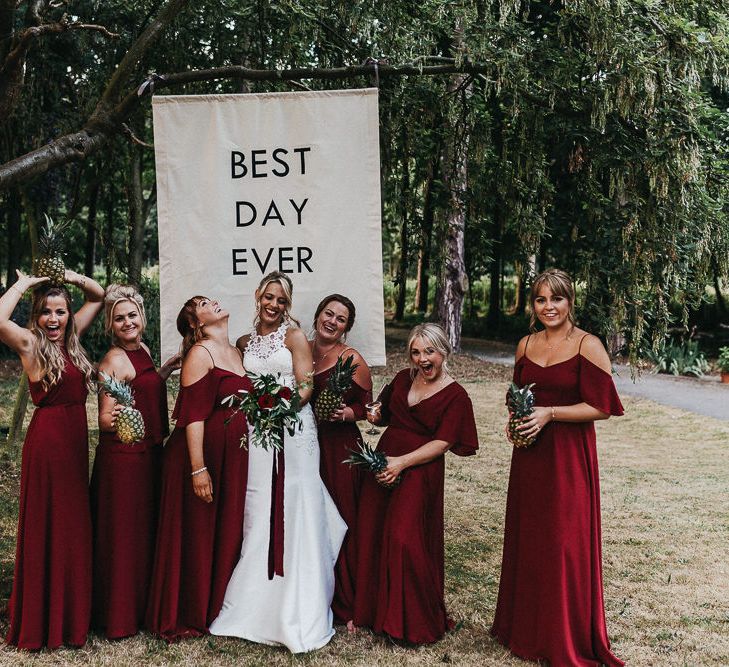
column 269, row 407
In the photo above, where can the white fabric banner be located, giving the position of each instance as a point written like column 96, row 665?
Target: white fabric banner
column 248, row 184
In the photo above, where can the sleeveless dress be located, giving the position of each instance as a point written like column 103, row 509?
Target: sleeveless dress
column 400, row 569
column 51, row 600
column 292, row 610
column 197, row 542
column 124, row 502
column 550, row 602
column 336, row 440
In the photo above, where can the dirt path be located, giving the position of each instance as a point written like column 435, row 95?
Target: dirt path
column 705, row 396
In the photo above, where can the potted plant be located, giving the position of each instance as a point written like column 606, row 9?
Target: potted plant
column 723, row 362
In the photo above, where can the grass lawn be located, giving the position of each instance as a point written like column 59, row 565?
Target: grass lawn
column 665, row 511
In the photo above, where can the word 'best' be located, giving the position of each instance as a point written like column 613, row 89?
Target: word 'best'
column 258, row 164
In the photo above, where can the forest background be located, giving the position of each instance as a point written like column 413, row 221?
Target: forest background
column 589, row 135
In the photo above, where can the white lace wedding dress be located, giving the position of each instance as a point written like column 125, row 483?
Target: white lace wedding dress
column 293, row 610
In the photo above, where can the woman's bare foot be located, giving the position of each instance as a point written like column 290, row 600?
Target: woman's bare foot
column 351, row 627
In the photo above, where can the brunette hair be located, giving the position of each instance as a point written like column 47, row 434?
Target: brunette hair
column 116, row 294
column 288, row 289
column 186, row 321
column 50, row 357
column 435, row 335
column 339, row 298
column 560, row 284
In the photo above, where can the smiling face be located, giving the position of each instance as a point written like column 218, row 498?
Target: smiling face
column 332, row 322
column 426, row 358
column 552, row 310
column 127, row 326
column 209, row 311
column 272, row 303
column 53, row 318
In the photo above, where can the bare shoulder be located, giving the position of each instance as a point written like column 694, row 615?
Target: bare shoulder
column 296, row 337
column 351, row 352
column 116, row 363
column 242, row 342
column 521, row 347
column 593, row 349
column 197, row 363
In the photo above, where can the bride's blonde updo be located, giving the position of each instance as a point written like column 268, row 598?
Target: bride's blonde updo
column 288, row 289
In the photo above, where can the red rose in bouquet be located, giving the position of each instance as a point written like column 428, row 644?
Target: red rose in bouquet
column 270, row 408
column 266, row 402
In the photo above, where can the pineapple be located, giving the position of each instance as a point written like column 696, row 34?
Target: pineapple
column 129, row 422
column 371, row 459
column 339, row 381
column 49, row 263
column 521, row 404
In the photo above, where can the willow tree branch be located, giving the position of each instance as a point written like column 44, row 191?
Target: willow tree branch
column 108, row 120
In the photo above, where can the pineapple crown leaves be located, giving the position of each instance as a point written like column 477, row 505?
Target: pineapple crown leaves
column 341, row 375
column 367, row 456
column 51, row 236
column 117, row 389
column 520, row 399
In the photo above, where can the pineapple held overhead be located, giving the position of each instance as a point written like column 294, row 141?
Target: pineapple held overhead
column 129, row 423
column 521, row 404
column 339, row 381
column 49, row 263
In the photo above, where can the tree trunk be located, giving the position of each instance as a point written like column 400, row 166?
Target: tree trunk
column 90, row 251
column 136, row 217
column 720, row 301
column 12, row 214
column 109, row 236
column 455, row 172
column 402, row 269
column 426, row 239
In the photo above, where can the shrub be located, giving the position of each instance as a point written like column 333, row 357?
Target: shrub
column 682, row 358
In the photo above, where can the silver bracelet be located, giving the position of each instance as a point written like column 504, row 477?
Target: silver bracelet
column 198, row 471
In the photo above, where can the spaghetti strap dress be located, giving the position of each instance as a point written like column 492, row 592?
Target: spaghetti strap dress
column 50, row 604
column 550, row 601
column 400, row 569
column 198, row 543
column 124, row 501
column 336, row 442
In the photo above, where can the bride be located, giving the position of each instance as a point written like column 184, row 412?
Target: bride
column 281, row 590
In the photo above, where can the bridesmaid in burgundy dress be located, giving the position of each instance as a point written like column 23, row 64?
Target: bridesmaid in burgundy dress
column 126, row 478
column 550, row 603
column 51, row 600
column 334, row 317
column 400, row 570
column 204, row 472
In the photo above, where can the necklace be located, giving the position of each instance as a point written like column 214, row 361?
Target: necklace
column 315, row 352
column 559, row 342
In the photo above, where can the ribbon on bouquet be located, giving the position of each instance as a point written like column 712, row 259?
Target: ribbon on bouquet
column 276, row 530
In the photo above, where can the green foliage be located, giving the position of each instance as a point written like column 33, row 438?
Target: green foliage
column 723, row 360
column 682, row 358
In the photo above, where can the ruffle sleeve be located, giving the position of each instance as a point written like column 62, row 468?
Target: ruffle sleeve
column 359, row 397
column 196, row 402
column 598, row 389
column 385, row 396
column 458, row 425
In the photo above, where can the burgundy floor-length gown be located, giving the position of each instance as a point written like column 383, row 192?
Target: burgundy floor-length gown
column 550, row 603
column 198, row 543
column 336, row 441
column 51, row 600
column 124, row 501
column 400, row 569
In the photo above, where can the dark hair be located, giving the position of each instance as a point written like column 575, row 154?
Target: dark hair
column 560, row 284
column 186, row 319
column 347, row 303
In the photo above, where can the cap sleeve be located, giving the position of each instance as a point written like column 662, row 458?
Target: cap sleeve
column 458, row 425
column 196, row 402
column 598, row 389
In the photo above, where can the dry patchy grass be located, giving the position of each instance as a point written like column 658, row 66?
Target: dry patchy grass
column 665, row 528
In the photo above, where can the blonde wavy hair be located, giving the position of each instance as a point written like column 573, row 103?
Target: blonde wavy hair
column 288, row 289
column 116, row 294
column 50, row 357
column 435, row 335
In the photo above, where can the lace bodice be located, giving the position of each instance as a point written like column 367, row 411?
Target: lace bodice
column 269, row 354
